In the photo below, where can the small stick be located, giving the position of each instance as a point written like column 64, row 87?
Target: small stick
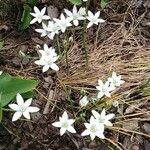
column 46, row 109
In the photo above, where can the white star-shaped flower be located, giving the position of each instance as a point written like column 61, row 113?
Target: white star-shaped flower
column 115, row 81
column 104, row 89
column 45, row 31
column 22, row 108
column 1, row 72
column 39, row 15
column 63, row 22
column 85, row 0
column 48, row 51
column 74, row 16
column 103, row 118
column 94, row 19
column 48, row 62
column 53, row 28
column 84, row 101
column 65, row 124
column 94, row 128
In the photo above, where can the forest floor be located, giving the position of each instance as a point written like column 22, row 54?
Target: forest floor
column 121, row 45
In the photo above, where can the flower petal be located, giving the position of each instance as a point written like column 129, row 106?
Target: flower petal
column 28, row 102
column 14, row 107
column 26, row 115
column 109, row 116
column 54, row 67
column 65, row 116
column 16, row 116
column 56, row 124
column 100, row 95
column 95, row 114
column 33, row 21
column 103, row 114
column 32, row 109
column 71, row 129
column 85, row 133
column 62, row 131
column 45, row 68
column 19, row 99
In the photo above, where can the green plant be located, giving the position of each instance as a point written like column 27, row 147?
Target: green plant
column 104, row 3
column 10, row 86
column 26, row 16
column 76, row 2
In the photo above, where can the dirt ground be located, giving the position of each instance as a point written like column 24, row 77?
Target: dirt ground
column 122, row 44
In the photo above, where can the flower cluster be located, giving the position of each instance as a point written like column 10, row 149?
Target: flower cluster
column 105, row 89
column 94, row 128
column 48, row 58
column 53, row 26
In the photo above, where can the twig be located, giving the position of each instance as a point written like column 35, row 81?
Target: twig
column 46, row 109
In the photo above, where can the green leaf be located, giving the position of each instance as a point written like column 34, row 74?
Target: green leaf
column 32, row 3
column 1, row 111
column 26, row 17
column 76, row 2
column 104, row 3
column 10, row 86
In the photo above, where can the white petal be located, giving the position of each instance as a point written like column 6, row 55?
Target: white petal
column 71, row 129
column 101, row 20
column 100, row 94
column 45, row 17
column 28, row 102
column 103, row 114
column 39, row 30
column 97, row 14
column 33, row 14
column 92, row 136
column 56, row 124
column 37, row 11
column 62, row 131
column 100, row 135
column 109, row 116
column 100, row 82
column 89, row 24
column 33, row 21
column 20, row 100
column 16, row 116
column 54, row 67
column 68, row 12
column 71, row 121
column 107, row 94
column 32, row 109
column 26, row 115
column 90, row 14
column 14, row 107
column 108, row 123
column 85, row 133
column 40, row 62
column 95, row 114
column 76, row 22
column 45, row 68
column 43, row 11
column 65, row 116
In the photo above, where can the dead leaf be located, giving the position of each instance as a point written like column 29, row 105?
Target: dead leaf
column 52, row 12
column 146, row 127
column 130, row 125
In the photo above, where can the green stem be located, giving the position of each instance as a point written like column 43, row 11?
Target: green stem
column 58, row 44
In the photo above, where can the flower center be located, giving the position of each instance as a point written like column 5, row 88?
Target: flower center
column 101, row 120
column 22, row 108
column 65, row 124
column 104, row 89
column 93, row 129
